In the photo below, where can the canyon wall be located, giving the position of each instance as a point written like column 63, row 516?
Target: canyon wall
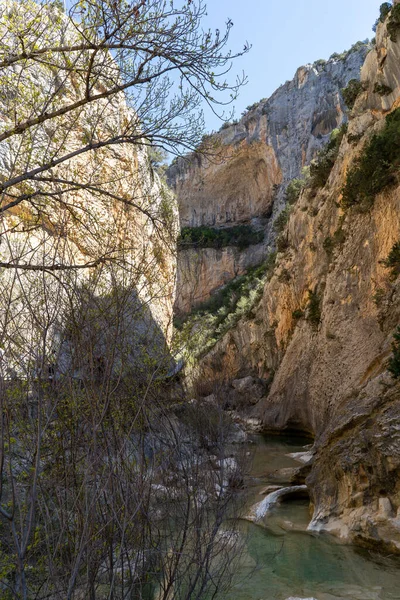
column 253, row 161
column 330, row 366
column 99, row 204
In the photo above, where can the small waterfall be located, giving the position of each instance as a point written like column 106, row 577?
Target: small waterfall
column 262, row 508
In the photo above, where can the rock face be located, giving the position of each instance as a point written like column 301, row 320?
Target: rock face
column 233, row 187
column 203, row 270
column 331, row 377
column 107, row 219
column 254, row 160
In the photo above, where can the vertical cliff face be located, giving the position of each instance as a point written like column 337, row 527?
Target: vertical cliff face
column 254, row 160
column 105, row 208
column 269, row 145
column 234, row 186
column 326, row 329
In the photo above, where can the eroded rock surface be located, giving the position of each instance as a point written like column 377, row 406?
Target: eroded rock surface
column 331, row 376
column 255, row 159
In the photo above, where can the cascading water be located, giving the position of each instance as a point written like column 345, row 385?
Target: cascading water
column 263, row 507
column 283, row 560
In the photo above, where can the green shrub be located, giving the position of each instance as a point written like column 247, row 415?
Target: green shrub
column 377, row 166
column 394, row 23
column 252, row 106
column 199, row 331
column 330, row 243
column 384, row 10
column 351, row 92
column 297, row 314
column 321, row 168
column 356, row 47
column 379, row 296
column 211, row 237
column 293, row 191
column 284, row 276
column 354, row 138
column 328, row 246
column 337, row 56
column 339, row 237
column 392, row 262
column 282, row 243
column 394, row 361
column 382, row 89
column 314, row 308
column 320, row 63
column 282, row 220
column 158, row 158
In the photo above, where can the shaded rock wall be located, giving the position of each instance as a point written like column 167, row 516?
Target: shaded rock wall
column 204, row 270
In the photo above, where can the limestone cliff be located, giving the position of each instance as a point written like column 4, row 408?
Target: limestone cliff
column 326, row 327
column 202, row 271
column 104, row 206
column 254, row 159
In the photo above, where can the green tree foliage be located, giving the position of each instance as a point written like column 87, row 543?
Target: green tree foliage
column 351, row 92
column 394, row 361
column 377, row 167
column 384, row 10
column 282, row 243
column 392, row 262
column 328, row 246
column 282, row 220
column 211, row 237
column 382, row 89
column 294, row 190
column 314, row 308
column 199, row 331
column 296, row 186
column 158, row 159
column 297, row 314
column 393, row 25
column 321, row 167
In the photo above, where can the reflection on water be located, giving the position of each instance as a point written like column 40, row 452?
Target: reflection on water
column 282, row 560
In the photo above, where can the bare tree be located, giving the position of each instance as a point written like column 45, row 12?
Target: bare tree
column 104, row 492
column 107, row 492
column 108, row 74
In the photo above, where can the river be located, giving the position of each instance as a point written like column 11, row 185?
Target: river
column 282, row 559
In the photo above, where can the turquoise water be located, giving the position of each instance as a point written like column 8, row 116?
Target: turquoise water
column 283, row 560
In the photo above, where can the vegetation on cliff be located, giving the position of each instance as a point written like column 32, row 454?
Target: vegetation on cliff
column 377, row 167
column 314, row 307
column 393, row 26
column 296, row 186
column 394, row 361
column 384, row 10
column 198, row 332
column 241, row 236
column 282, row 220
column 321, row 167
column 352, row 91
column 392, row 262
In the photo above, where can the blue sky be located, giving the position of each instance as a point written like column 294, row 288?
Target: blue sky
column 286, row 34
